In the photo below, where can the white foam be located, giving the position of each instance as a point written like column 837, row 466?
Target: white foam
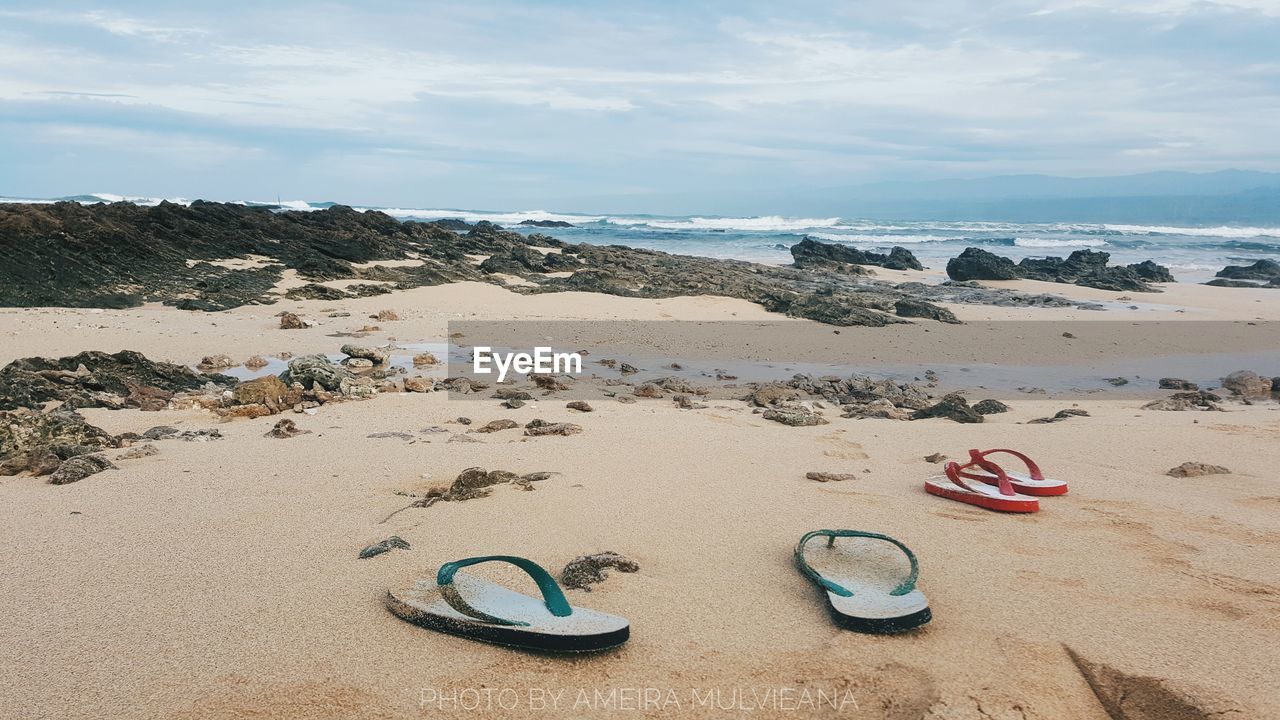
column 862, row 239
column 498, row 218
column 1222, row 231
column 769, row 223
column 1062, row 243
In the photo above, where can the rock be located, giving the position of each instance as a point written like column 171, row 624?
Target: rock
column 419, row 384
column 395, row 542
column 358, row 364
column 1151, row 272
column 269, row 391
column 256, row 362
column 289, row 321
column 1196, row 469
column 829, row 477
column 1261, row 270
column 254, row 410
column 935, row 458
column 795, row 415
column 425, row 358
column 373, row 355
column 79, row 468
column 98, row 379
column 684, row 402
column 625, row 399
column 1117, row 381
column 628, row 369
column 1197, row 400
column 546, row 223
column 953, row 406
column 216, row 362
column 772, row 394
column 880, row 408
column 138, row 452
column 913, row 308
column 584, row 571
column 286, row 429
column 1069, row 336
column 538, row 427
column 811, row 254
column 1248, row 385
column 513, row 403
column 990, row 407
column 978, row 264
column 507, row 393
column 550, row 383
column 386, row 316
column 580, row 406
column 647, row 390
column 38, row 442
column 315, row 372
column 496, row 425
column 1059, row 416
column 1177, row 384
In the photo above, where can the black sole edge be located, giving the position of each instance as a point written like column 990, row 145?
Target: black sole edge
column 883, row 626
column 513, row 637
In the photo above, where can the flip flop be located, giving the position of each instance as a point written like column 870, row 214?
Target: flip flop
column 475, row 608
column 1000, row 497
column 1032, row 482
column 865, row 596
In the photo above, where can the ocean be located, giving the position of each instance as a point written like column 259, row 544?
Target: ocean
column 1193, row 254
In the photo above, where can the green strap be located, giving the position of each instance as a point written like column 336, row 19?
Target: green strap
column 552, row 596
column 905, row 587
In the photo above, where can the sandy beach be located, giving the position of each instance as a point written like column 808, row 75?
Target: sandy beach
column 220, row 579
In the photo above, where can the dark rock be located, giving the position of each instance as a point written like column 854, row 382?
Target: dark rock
column 584, row 571
column 547, row 223
column 990, row 407
column 289, row 321
column 38, row 443
column 1262, row 270
column 513, row 403
column 97, row 379
column 828, row 476
column 1177, row 384
column 909, row 307
column 580, row 406
column 811, row 254
column 1059, row 416
column 504, row 393
column 1117, row 381
column 935, row 458
column 497, row 425
column 79, row 468
column 978, row 264
column 953, row 406
column 1197, row 400
column 1151, row 272
column 395, row 542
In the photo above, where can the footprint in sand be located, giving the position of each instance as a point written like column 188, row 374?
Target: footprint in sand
column 842, row 449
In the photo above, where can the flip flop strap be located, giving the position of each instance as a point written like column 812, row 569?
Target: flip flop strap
column 1032, row 469
column 903, row 588
column 552, row 595
column 956, row 474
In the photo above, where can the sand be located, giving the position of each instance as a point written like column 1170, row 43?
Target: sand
column 221, row 579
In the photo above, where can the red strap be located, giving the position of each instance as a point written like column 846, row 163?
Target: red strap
column 956, row 472
column 1032, row 468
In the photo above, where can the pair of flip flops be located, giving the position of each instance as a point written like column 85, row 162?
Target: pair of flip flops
column 995, row 488
column 864, row 594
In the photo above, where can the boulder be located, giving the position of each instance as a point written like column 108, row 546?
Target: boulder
column 978, row 264
column 97, row 379
column 1248, row 385
column 1262, row 270
column 267, row 390
column 374, row 355
column 289, row 321
column 315, row 371
column 990, row 407
column 953, row 406
column 78, row 468
column 811, row 254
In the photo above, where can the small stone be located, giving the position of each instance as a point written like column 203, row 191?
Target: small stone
column 79, row 468
column 1177, row 384
column 828, row 477
column 285, row 429
column 935, row 458
column 419, row 384
column 1196, row 469
column 1068, row 336
column 990, row 407
column 1117, row 381
column 216, row 362
column 625, row 399
column 953, row 406
column 513, row 403
column 497, row 425
column 256, row 362
column 580, row 406
column 393, row 542
column 539, row 427
column 647, row 390
column 289, row 321
column 386, row 316
column 425, row 358
column 584, row 571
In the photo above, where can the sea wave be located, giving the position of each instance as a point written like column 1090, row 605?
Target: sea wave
column 770, row 223
column 1223, row 231
column 1058, row 243
column 498, row 218
column 862, row 239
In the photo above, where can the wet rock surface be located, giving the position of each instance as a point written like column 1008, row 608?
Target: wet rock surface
column 98, row 379
column 586, row 570
column 1087, row 268
column 122, row 255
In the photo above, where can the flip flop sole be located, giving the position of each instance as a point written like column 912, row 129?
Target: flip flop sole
column 882, row 626
column 509, row 636
column 1025, row 485
column 1001, row 503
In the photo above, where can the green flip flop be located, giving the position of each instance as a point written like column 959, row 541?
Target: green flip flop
column 864, row 593
column 472, row 607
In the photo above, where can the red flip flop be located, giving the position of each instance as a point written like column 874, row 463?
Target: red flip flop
column 1000, row 497
column 1032, row 482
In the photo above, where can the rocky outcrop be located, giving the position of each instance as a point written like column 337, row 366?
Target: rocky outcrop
column 1087, row 268
column 39, row 442
column 811, row 254
column 1263, row 273
column 1248, row 385
column 312, row 371
column 98, row 379
column 953, row 406
column 546, row 223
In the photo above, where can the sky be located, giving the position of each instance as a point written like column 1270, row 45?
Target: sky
column 517, row 105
